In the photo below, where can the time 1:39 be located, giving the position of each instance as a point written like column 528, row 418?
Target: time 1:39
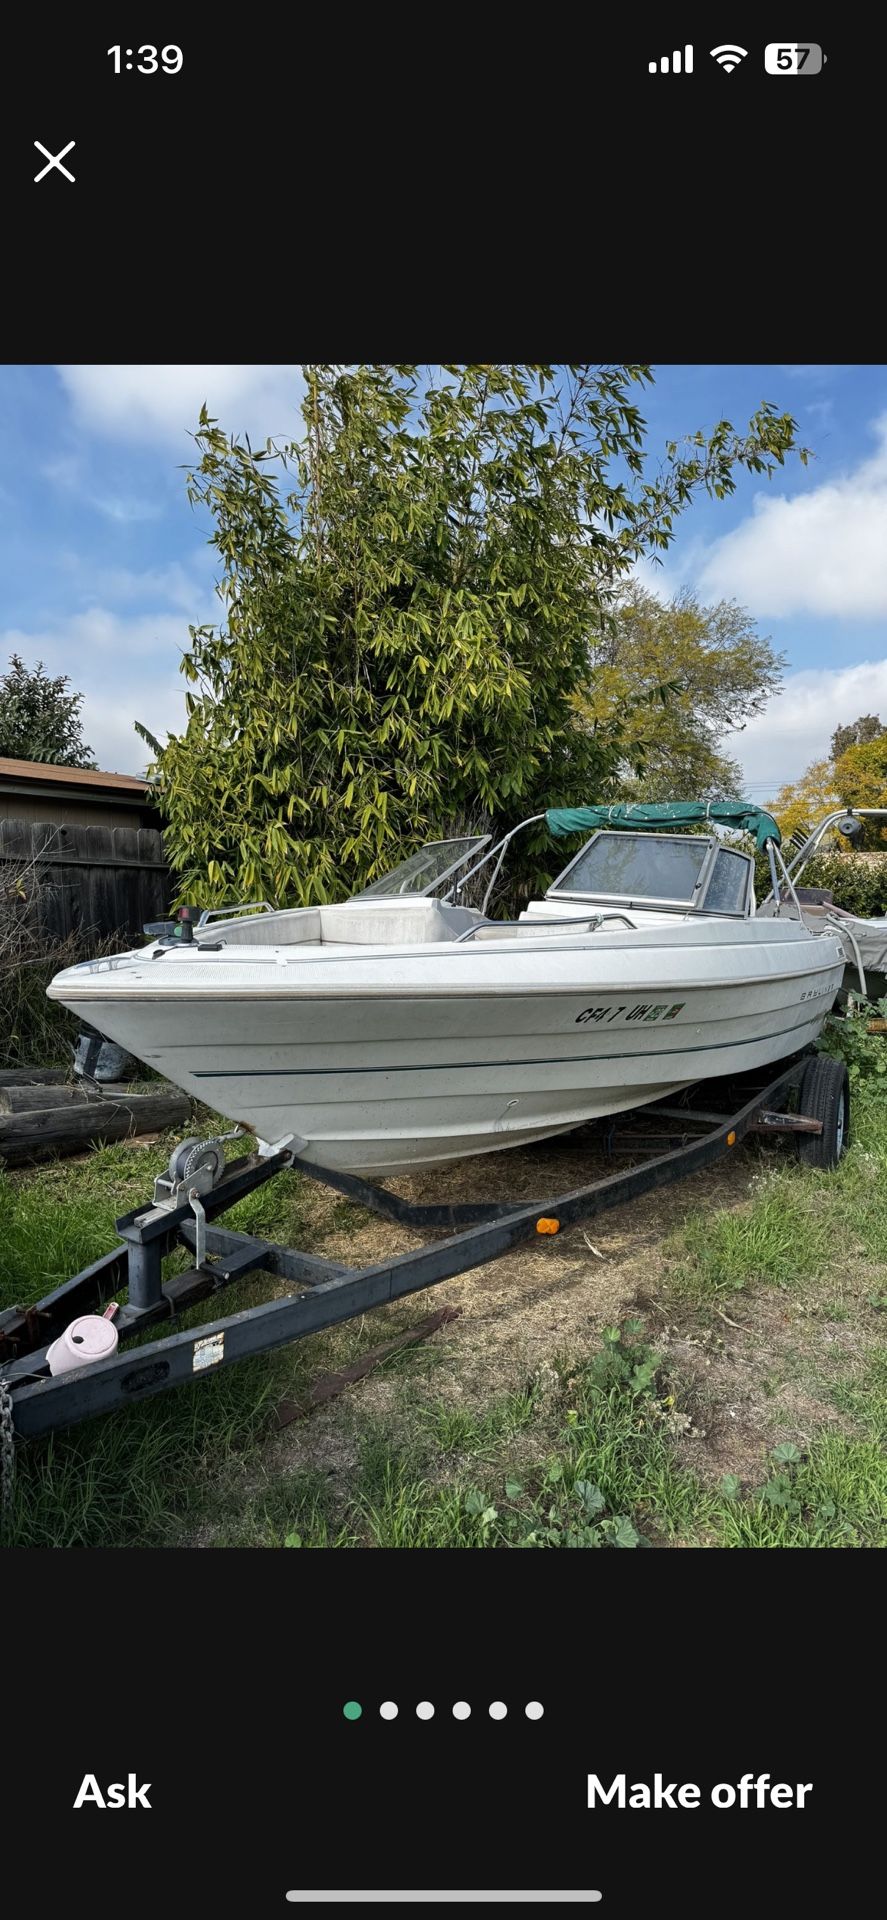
column 169, row 60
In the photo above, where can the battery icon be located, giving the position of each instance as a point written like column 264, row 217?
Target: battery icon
column 792, row 58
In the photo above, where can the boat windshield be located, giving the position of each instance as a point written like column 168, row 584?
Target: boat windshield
column 426, row 869
column 636, row 866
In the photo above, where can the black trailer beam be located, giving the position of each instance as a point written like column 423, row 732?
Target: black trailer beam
column 240, row 1177
column 240, row 1254
column 22, row 1329
column 30, row 1330
column 406, row 1213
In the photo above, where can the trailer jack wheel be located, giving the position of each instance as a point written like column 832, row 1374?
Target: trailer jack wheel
column 824, row 1095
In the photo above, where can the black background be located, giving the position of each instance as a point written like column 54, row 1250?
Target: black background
column 437, row 188
column 346, row 176
column 221, row 1680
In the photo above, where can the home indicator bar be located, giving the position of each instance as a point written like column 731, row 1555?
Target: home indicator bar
column 444, row 1896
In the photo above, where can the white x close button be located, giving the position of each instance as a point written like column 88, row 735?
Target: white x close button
column 54, row 161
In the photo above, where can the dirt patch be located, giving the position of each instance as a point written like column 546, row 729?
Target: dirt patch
column 549, row 1298
column 757, row 1380
column 746, row 1374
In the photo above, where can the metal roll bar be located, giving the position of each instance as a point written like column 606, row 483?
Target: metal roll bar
column 813, row 839
column 226, row 913
column 572, row 920
column 774, row 853
column 500, row 847
column 806, row 851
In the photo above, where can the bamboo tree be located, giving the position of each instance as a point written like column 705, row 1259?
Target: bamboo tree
column 406, row 630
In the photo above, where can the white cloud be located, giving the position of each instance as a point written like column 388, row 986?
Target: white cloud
column 108, row 721
column 797, row 727
column 68, row 472
column 817, row 373
column 126, row 509
column 126, row 669
column 160, row 404
column 100, row 634
column 655, row 576
column 65, row 471
column 170, row 586
column 823, row 552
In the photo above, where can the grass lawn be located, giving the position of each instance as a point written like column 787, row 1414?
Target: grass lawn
column 704, row 1368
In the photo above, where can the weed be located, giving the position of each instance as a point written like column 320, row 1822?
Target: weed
column 458, row 1430
column 778, row 1239
column 835, row 1495
column 865, row 1398
column 848, row 1039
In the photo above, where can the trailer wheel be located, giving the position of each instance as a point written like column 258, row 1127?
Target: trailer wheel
column 825, row 1096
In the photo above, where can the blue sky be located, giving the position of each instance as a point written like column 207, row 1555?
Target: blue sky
column 105, row 564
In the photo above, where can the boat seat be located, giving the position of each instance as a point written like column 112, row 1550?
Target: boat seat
column 298, row 927
column 394, row 922
column 352, row 924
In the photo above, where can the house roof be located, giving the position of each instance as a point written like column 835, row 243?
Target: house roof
column 44, row 773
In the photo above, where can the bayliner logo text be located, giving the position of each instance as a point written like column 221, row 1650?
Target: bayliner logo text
column 90, row 1794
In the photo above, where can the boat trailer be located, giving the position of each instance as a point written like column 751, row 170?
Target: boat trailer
column 200, row 1186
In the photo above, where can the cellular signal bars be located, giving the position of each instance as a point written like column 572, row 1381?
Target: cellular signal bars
column 676, row 62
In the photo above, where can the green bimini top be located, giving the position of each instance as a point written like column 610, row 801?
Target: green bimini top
column 677, row 813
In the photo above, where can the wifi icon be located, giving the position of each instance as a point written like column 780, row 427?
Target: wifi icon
column 729, row 57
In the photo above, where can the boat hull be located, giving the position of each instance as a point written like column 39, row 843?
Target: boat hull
column 387, row 1062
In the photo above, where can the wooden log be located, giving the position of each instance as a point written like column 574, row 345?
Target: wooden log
column 19, row 1099
column 29, row 1099
column 33, row 1076
column 33, row 1099
column 30, row 1136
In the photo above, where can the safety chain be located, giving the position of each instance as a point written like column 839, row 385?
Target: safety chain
column 7, row 1447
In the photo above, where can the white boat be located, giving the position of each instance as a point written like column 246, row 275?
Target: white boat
column 402, row 1029
column 864, row 940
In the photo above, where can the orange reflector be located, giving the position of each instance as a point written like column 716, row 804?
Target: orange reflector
column 548, row 1226
column 731, row 1139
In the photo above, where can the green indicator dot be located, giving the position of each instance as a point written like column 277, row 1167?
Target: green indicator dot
column 352, row 1710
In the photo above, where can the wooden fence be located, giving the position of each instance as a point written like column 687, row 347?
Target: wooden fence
column 101, row 880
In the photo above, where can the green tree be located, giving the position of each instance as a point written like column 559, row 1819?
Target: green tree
column 857, row 778
column 858, row 734
column 40, row 717
column 861, row 773
column 716, row 671
column 861, row 779
column 405, row 634
column 800, row 804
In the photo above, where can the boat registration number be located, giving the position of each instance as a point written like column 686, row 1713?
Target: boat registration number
column 603, row 1016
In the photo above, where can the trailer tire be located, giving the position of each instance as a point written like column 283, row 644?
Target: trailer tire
column 825, row 1096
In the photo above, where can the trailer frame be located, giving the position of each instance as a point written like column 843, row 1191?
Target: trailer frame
column 326, row 1292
